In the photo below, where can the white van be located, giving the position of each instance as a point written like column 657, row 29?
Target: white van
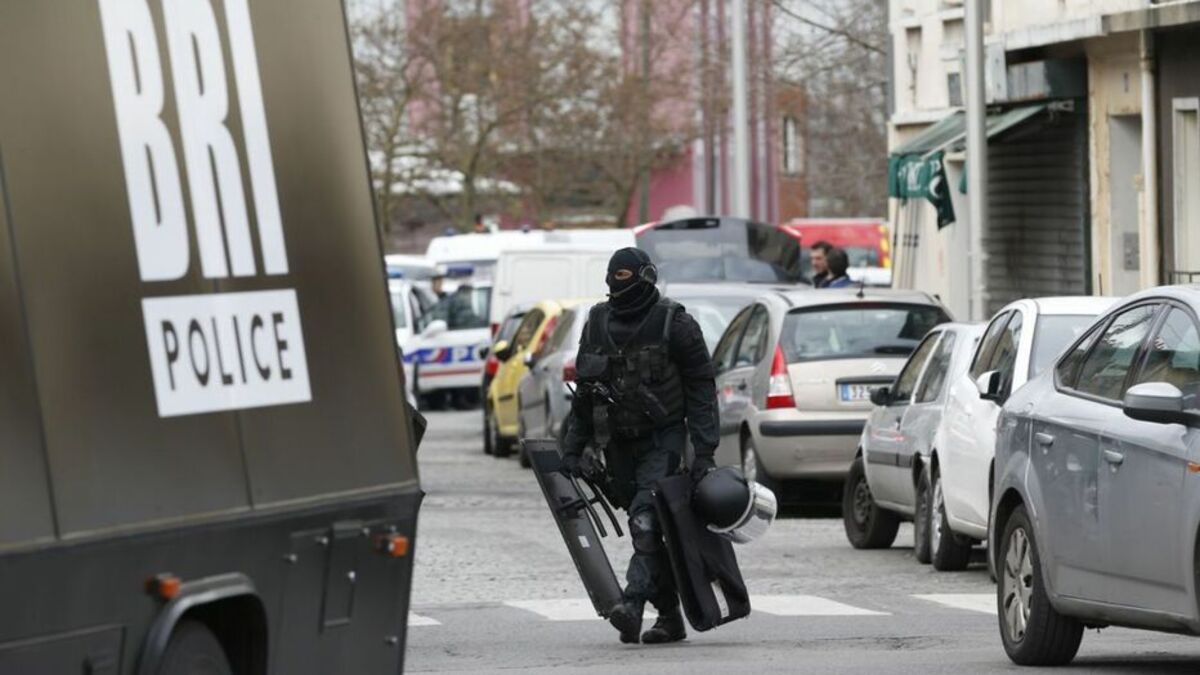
column 549, row 272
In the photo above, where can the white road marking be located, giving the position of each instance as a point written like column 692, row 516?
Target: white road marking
column 563, row 609
column 805, row 605
column 418, row 620
column 974, row 602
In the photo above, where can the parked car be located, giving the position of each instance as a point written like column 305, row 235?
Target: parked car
column 795, row 370
column 409, row 303
column 447, row 355
column 865, row 241
column 500, row 410
column 409, row 267
column 545, row 391
column 711, row 249
column 1021, row 340
column 1097, row 512
column 889, row 480
column 714, row 305
column 491, row 363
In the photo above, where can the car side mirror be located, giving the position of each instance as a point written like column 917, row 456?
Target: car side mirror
column 502, row 349
column 988, row 385
column 435, row 328
column 1158, row 402
column 881, row 396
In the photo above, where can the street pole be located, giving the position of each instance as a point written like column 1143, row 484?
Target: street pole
column 741, row 140
column 977, row 160
column 1148, row 227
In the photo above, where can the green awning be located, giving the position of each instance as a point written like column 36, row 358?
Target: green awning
column 916, row 169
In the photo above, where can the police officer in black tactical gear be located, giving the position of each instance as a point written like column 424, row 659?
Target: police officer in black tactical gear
column 645, row 383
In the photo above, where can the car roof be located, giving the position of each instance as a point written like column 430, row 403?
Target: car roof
column 1075, row 304
column 835, row 296
column 1187, row 293
column 959, row 327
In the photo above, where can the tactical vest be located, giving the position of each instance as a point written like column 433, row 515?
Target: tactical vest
column 646, row 387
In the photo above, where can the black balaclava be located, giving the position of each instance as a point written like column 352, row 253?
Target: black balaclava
column 628, row 293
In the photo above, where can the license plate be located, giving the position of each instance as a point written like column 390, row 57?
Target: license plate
column 851, row 393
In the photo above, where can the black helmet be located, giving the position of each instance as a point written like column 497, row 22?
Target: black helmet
column 732, row 506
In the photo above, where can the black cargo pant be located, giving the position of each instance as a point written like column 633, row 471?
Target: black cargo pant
column 636, row 466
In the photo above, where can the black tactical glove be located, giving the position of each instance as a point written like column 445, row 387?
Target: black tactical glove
column 700, row 466
column 570, row 465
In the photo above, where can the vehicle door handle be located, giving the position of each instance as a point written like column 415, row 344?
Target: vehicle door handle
column 1044, row 439
column 1113, row 457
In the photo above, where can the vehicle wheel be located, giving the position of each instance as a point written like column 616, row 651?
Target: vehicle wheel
column 500, row 446
column 753, row 470
column 921, row 520
column 1034, row 634
column 488, row 448
column 950, row 552
column 522, row 457
column 194, row 650
column 867, row 525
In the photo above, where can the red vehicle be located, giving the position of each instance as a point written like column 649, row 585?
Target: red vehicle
column 865, row 241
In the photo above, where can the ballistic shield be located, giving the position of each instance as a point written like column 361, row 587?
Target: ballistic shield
column 578, row 521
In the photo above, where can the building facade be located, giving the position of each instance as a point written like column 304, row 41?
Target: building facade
column 1092, row 132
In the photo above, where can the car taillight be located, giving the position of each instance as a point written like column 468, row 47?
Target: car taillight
column 569, row 371
column 495, row 329
column 491, row 365
column 779, row 388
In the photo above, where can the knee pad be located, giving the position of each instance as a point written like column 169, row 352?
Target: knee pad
column 643, row 532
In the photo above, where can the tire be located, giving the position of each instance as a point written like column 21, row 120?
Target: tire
column 922, row 520
column 488, row 449
column 194, row 650
column 867, row 525
column 950, row 552
column 1034, row 634
column 753, row 469
column 501, row 447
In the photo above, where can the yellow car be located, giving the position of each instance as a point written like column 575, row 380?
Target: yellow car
column 500, row 411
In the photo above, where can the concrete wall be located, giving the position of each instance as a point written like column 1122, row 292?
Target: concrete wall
column 1014, row 15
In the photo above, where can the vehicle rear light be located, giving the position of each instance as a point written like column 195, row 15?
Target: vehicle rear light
column 164, row 586
column 569, row 371
column 393, row 545
column 495, row 329
column 491, row 365
column 779, row 388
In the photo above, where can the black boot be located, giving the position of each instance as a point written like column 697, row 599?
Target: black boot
column 627, row 618
column 668, row 628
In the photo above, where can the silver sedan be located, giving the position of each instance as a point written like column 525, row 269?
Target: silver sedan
column 1096, row 504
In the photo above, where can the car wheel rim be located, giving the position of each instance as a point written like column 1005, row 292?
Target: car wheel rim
column 1018, row 584
column 862, row 502
column 935, row 531
column 750, row 465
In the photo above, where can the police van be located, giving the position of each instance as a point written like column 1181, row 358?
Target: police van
column 205, row 454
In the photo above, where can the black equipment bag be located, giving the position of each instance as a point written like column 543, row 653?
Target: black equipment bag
column 574, row 512
column 706, row 571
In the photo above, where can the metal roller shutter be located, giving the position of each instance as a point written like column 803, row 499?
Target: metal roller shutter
column 1037, row 238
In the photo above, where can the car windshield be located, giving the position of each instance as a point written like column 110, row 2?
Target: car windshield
column 467, row 307
column 859, row 330
column 708, row 249
column 1054, row 332
column 714, row 314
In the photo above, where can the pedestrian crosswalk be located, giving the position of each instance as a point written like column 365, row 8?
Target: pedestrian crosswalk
column 580, row 609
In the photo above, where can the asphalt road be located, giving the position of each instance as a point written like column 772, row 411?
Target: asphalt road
column 495, row 590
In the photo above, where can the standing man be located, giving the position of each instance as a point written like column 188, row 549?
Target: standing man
column 818, row 253
column 645, row 384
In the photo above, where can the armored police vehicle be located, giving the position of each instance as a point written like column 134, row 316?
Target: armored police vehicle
column 206, row 463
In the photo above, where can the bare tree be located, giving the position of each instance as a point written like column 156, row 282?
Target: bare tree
column 837, row 49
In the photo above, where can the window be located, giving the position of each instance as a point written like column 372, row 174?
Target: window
column 1052, row 334
column 983, row 355
column 398, row 315
column 754, row 341
column 528, row 327
column 562, row 330
column 934, row 379
column 467, row 307
column 902, row 391
column 1068, row 368
column 855, row 331
column 1104, row 370
column 793, row 146
column 723, row 356
column 1004, row 358
column 1173, row 356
